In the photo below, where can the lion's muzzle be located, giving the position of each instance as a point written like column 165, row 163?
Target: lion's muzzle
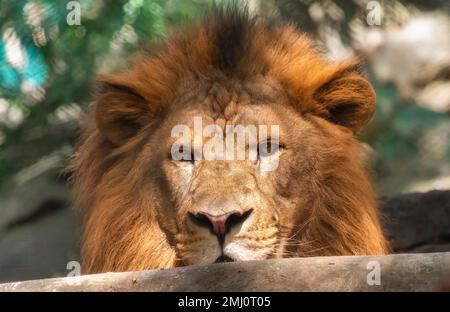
column 220, row 224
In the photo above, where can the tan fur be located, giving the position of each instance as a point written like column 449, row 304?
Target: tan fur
column 318, row 202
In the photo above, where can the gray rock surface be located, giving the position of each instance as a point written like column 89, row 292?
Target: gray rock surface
column 417, row 222
column 405, row 272
column 39, row 250
column 38, row 230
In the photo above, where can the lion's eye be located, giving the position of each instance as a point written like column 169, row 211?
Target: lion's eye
column 188, row 154
column 268, row 148
column 182, row 154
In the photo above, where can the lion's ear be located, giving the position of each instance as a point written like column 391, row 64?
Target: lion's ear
column 348, row 99
column 120, row 112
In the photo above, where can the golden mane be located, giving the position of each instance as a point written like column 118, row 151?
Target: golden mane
column 121, row 233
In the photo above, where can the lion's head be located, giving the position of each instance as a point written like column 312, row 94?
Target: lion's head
column 143, row 209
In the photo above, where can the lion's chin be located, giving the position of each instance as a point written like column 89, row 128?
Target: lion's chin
column 232, row 252
column 238, row 251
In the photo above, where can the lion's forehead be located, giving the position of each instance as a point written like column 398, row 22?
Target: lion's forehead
column 226, row 99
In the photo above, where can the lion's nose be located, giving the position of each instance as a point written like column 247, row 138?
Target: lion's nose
column 222, row 224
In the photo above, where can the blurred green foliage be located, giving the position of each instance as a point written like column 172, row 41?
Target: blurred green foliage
column 411, row 143
column 47, row 66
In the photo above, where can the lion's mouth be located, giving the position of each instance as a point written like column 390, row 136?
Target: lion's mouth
column 224, row 258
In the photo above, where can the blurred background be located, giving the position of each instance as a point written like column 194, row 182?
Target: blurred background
column 51, row 51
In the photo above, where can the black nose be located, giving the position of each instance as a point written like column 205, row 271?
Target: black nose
column 222, row 224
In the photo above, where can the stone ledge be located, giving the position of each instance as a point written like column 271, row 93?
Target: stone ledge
column 399, row 272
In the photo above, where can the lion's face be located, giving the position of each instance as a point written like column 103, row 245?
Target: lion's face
column 228, row 210
column 144, row 208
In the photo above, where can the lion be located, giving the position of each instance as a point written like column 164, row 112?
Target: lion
column 142, row 209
